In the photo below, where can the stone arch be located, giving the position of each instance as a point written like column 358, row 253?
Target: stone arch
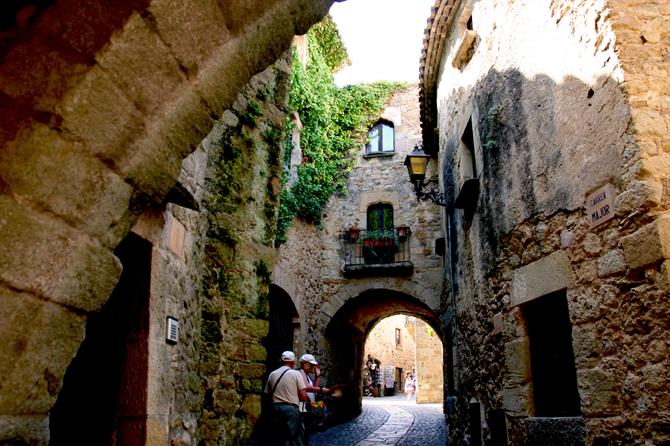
column 104, row 100
column 347, row 330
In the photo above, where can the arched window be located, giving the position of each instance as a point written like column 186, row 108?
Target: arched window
column 381, row 138
column 380, row 217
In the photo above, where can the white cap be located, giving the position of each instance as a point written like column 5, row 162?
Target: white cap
column 288, row 356
column 308, row 358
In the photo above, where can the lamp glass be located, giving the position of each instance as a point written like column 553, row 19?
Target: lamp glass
column 417, row 166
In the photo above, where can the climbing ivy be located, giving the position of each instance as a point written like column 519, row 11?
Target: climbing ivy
column 335, row 122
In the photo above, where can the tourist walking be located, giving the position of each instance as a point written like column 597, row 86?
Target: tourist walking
column 314, row 409
column 286, row 386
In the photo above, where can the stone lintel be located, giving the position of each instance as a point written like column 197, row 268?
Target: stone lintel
column 547, row 275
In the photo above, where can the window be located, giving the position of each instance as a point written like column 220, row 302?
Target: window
column 397, row 337
column 380, row 217
column 468, row 141
column 551, row 357
column 381, row 138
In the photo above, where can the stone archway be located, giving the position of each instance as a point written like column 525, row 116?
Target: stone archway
column 347, row 331
column 103, row 100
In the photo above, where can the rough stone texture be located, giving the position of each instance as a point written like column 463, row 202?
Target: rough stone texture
column 99, row 104
column 548, row 131
column 429, row 369
column 544, row 276
column 649, row 244
column 337, row 312
column 382, row 346
column 556, row 431
column 244, row 159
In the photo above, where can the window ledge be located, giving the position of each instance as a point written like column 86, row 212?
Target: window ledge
column 379, row 155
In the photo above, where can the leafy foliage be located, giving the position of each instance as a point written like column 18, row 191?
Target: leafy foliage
column 335, row 122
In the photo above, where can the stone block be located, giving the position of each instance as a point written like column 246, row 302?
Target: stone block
column 255, row 352
column 32, row 429
column 98, row 113
column 176, row 236
column 640, row 195
column 586, row 345
column 48, row 258
column 649, row 244
column 138, row 62
column 517, row 400
column 85, row 27
column 80, row 189
column 242, row 14
column 663, row 277
column 611, row 263
column 192, row 29
column 38, row 340
column 153, row 168
column 252, row 405
column 655, row 167
column 498, row 323
column 649, row 122
column 599, row 393
column 157, row 429
column 249, row 370
column 183, row 123
column 38, row 72
column 517, row 361
column 257, row 328
column 542, row 277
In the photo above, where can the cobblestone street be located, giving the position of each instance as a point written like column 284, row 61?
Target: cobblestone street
column 388, row 421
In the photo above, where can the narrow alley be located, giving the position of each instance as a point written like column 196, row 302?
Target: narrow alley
column 389, row 421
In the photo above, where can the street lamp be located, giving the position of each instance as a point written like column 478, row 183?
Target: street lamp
column 416, row 163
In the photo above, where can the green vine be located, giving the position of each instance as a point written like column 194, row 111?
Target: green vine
column 335, row 122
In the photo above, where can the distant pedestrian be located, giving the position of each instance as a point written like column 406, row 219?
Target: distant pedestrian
column 287, row 389
column 410, row 385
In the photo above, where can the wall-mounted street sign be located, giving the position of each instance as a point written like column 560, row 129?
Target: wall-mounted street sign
column 600, row 205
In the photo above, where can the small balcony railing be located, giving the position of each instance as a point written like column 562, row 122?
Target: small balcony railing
column 375, row 253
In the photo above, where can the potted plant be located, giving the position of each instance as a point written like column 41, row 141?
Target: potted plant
column 403, row 232
column 379, row 246
column 353, row 233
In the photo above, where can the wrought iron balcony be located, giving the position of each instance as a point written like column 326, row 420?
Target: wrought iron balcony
column 377, row 253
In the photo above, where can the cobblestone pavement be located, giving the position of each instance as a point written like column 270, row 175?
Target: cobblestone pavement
column 388, row 421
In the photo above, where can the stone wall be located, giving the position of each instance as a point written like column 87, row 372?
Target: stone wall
column 245, row 159
column 338, row 311
column 99, row 104
column 429, row 367
column 381, row 344
column 560, row 106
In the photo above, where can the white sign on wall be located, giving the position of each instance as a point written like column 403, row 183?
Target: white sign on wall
column 600, row 205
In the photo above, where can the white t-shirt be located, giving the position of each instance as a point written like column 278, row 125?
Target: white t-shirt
column 287, row 389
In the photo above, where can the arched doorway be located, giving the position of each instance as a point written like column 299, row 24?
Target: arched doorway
column 348, row 330
column 283, row 326
column 104, row 396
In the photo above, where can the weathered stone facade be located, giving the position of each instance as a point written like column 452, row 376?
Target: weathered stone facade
column 396, row 353
column 563, row 98
column 339, row 311
column 99, row 104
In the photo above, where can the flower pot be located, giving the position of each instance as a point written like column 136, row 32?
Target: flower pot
column 403, row 232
